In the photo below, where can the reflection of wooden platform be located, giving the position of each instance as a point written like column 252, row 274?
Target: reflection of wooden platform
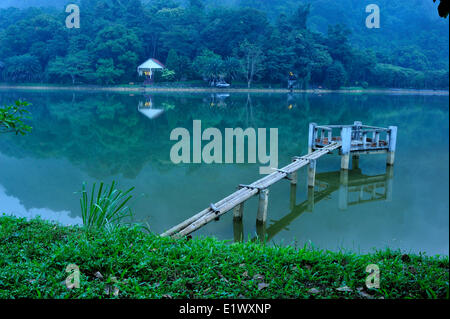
column 346, row 183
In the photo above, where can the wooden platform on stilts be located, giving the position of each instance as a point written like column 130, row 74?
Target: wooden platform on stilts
column 353, row 139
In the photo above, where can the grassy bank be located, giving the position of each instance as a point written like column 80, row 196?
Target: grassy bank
column 34, row 255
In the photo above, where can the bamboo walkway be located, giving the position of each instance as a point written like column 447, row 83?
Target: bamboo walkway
column 245, row 192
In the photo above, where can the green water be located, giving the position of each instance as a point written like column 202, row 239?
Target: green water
column 92, row 137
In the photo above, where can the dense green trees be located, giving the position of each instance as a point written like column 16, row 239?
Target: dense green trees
column 236, row 40
column 336, row 75
column 74, row 65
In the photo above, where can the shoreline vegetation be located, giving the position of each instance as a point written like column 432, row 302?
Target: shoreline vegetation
column 138, row 88
column 280, row 42
column 125, row 262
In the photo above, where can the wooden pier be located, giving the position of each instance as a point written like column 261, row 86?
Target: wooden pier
column 352, row 140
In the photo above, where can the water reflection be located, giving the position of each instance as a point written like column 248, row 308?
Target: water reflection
column 354, row 188
column 146, row 108
column 218, row 100
column 14, row 207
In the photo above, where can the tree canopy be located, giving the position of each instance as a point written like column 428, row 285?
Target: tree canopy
column 244, row 41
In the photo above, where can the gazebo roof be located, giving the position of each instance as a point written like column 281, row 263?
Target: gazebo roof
column 151, row 64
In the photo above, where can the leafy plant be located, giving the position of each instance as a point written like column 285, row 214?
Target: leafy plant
column 12, row 116
column 105, row 207
column 168, row 75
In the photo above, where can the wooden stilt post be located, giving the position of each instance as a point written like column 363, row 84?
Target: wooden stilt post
column 346, row 138
column 312, row 137
column 294, row 176
column 376, row 138
column 343, row 190
column 261, row 218
column 355, row 161
column 310, row 207
column 238, row 212
column 293, row 197
column 238, row 231
column 392, row 144
column 311, row 173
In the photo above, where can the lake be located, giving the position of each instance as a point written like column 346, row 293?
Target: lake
column 90, row 137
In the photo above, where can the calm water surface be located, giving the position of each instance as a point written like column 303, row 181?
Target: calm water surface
column 92, row 137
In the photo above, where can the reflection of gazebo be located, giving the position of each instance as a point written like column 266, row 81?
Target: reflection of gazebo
column 147, row 69
column 147, row 109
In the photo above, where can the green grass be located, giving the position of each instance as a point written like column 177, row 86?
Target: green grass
column 34, row 255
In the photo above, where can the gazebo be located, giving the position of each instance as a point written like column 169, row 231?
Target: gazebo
column 147, row 69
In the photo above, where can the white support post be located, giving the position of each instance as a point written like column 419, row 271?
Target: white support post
column 322, row 135
column 294, row 176
column 392, row 144
column 238, row 212
column 311, row 137
column 346, row 139
column 311, row 173
column 261, row 218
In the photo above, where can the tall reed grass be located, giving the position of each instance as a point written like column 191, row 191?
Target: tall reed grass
column 105, row 207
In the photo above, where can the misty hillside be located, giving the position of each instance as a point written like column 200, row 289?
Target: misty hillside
column 322, row 42
column 410, row 24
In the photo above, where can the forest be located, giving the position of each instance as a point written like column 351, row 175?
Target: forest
column 323, row 43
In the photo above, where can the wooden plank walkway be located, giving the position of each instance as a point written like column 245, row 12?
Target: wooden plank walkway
column 247, row 191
